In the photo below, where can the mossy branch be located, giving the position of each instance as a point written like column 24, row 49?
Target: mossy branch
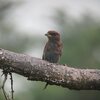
column 36, row 69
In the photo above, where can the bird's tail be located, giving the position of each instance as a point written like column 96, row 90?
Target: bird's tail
column 45, row 86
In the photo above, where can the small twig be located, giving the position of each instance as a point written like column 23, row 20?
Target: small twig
column 4, row 81
column 5, row 73
column 12, row 90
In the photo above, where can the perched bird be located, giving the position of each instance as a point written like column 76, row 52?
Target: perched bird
column 53, row 48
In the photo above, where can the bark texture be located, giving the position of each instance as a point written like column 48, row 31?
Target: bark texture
column 36, row 69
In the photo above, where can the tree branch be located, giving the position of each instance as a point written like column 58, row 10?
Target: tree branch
column 36, row 69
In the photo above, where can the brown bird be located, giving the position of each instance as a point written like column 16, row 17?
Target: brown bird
column 53, row 48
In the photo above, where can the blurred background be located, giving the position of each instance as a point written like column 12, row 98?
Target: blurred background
column 23, row 24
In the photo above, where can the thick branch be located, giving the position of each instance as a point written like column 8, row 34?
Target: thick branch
column 55, row 74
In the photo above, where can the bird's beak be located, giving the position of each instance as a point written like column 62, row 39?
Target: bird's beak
column 48, row 35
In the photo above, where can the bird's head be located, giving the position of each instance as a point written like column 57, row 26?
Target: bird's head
column 53, row 35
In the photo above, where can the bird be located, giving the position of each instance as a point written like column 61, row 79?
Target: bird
column 53, row 48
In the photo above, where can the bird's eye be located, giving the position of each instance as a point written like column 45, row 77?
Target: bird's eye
column 52, row 34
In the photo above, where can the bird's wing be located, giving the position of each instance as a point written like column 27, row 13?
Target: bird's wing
column 61, row 48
